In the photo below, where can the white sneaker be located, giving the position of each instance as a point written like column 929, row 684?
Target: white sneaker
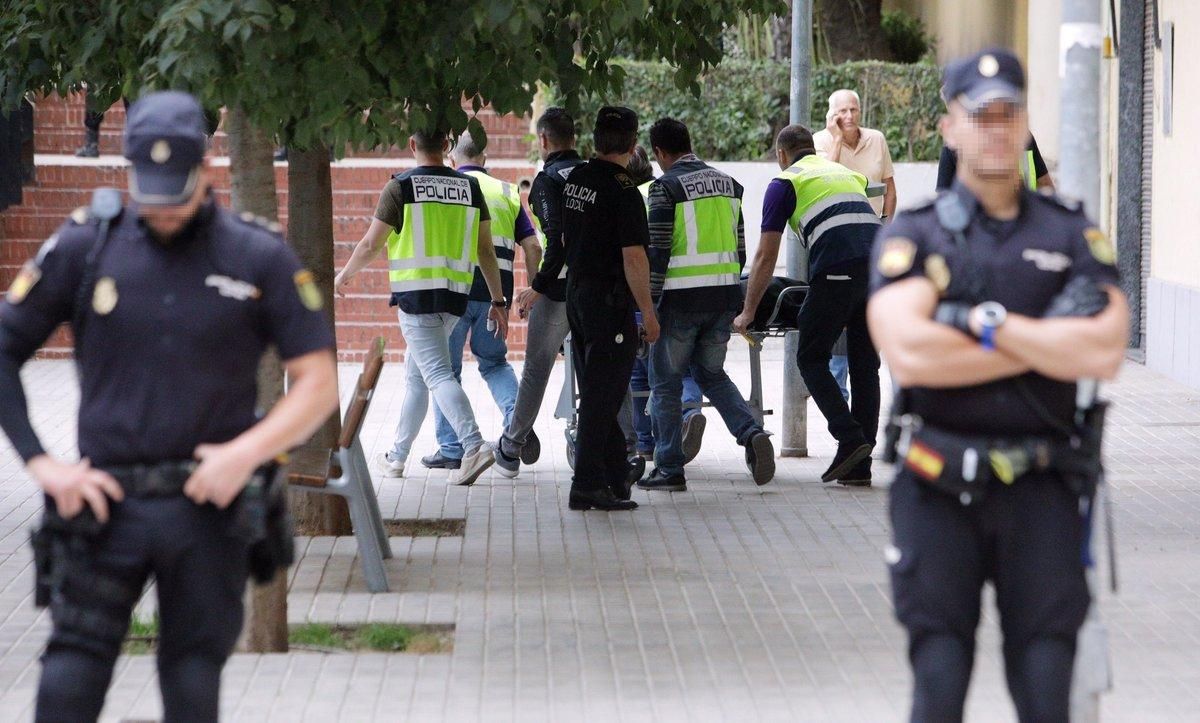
column 474, row 463
column 390, row 466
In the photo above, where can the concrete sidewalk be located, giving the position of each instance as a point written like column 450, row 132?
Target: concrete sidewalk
column 727, row 602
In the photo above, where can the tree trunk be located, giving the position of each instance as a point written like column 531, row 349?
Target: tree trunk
column 310, row 229
column 851, row 30
column 252, row 178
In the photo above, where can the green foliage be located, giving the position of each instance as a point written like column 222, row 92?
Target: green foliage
column 900, row 99
column 740, row 106
column 366, row 72
column 906, row 36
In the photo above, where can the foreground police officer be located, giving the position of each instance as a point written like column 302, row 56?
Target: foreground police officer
column 172, row 306
column 604, row 231
column 698, row 249
column 989, row 305
column 825, row 204
column 544, row 303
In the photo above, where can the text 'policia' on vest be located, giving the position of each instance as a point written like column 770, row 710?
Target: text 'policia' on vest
column 432, row 258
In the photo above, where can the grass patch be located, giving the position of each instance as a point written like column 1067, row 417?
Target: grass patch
column 425, row 527
column 383, row 637
column 321, row 637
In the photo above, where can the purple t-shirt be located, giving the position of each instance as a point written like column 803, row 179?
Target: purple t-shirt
column 778, row 205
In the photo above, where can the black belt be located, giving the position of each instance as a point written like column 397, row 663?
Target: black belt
column 161, row 479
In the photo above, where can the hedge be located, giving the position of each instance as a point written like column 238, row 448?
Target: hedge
column 743, row 103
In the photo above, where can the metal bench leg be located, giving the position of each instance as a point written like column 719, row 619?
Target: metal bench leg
column 358, row 459
column 369, row 550
column 565, row 408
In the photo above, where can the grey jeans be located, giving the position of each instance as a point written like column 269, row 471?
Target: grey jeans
column 548, row 329
column 427, row 369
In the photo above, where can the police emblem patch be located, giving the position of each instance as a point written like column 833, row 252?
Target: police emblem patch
column 26, row 279
column 160, row 152
column 938, row 272
column 989, row 66
column 306, row 287
column 104, row 297
column 924, row 461
column 897, row 256
column 1100, row 246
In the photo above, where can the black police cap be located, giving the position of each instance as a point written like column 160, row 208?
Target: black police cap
column 165, row 140
column 616, row 118
column 991, row 75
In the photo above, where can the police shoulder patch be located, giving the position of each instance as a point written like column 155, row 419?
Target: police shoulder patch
column 306, row 288
column 938, row 272
column 896, row 256
column 624, row 180
column 1100, row 246
column 26, row 279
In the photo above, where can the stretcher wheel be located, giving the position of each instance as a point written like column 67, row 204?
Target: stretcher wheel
column 570, row 448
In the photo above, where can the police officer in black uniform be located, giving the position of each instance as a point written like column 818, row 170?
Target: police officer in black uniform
column 608, row 279
column 172, row 301
column 990, row 304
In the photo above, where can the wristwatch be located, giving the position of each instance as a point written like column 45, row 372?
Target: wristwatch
column 501, row 303
column 991, row 316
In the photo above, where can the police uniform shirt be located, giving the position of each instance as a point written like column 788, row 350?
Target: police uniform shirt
column 1024, row 264
column 390, row 210
column 545, row 200
column 603, row 212
column 174, row 333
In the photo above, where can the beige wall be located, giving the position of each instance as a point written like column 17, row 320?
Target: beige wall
column 963, row 27
column 1175, row 251
column 1042, row 69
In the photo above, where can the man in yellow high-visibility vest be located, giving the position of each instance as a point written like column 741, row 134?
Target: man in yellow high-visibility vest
column 436, row 227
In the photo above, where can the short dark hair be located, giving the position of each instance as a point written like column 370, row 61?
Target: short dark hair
column 430, row 141
column 639, row 167
column 557, row 125
column 671, row 136
column 795, row 141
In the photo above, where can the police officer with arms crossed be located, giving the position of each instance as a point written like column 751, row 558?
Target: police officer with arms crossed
column 825, row 203
column 179, row 300
column 604, row 231
column 990, row 305
column 697, row 250
column 510, row 228
column 436, row 226
column 545, row 301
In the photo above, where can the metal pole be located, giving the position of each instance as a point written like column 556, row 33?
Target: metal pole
column 795, row 394
column 1079, row 178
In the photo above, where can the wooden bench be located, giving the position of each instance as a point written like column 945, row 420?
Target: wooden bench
column 343, row 471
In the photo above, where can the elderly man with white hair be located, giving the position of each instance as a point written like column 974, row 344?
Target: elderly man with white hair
column 860, row 149
column 864, row 150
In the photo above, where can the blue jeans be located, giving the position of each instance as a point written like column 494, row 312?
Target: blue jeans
column 493, row 367
column 695, row 340
column 839, row 367
column 642, row 422
column 427, row 371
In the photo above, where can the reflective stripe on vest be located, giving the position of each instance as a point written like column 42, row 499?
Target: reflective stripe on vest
column 504, row 206
column 704, row 244
column 436, row 248
column 1029, row 170
column 820, row 185
column 645, row 191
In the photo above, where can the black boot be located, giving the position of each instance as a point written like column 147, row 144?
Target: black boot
column 659, row 480
column 599, row 499
column 623, row 489
column 848, row 455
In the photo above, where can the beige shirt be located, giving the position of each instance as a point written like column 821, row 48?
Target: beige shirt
column 870, row 157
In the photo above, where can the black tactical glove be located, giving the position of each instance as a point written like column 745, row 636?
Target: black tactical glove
column 1080, row 297
column 956, row 314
